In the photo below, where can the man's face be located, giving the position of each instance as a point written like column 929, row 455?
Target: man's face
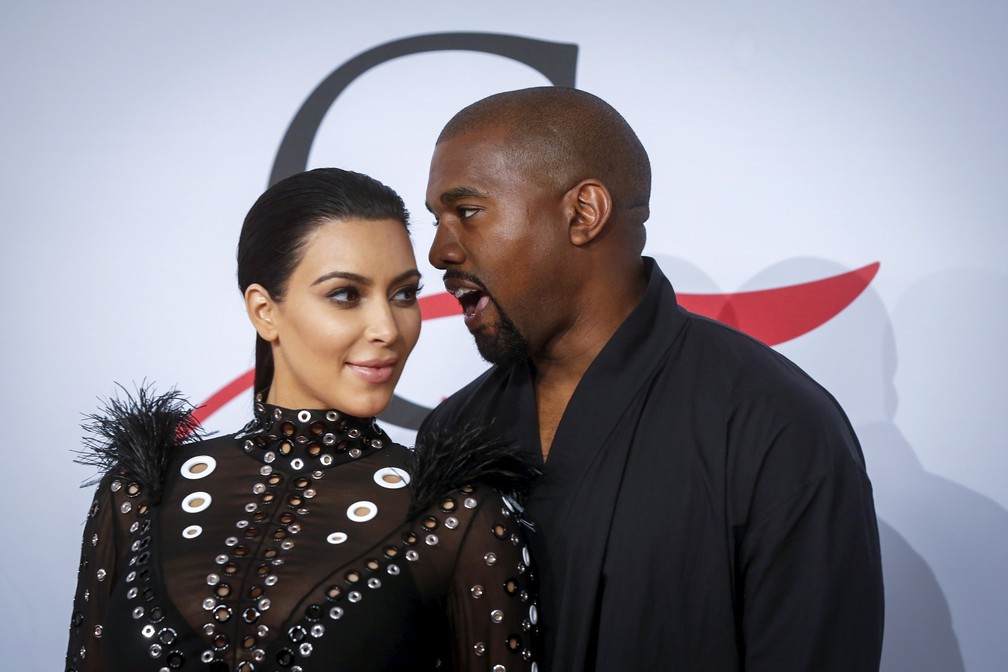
column 499, row 241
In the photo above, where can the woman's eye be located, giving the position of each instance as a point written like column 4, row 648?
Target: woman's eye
column 407, row 295
column 345, row 295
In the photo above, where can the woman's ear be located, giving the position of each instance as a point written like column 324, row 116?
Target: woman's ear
column 261, row 309
column 590, row 206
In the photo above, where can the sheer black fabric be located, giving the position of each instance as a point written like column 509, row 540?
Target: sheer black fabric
column 287, row 547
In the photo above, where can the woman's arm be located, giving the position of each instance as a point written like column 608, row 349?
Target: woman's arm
column 492, row 599
column 95, row 578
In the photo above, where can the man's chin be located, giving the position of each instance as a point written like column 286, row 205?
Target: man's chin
column 503, row 347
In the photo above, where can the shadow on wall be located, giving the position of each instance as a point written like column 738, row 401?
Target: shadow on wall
column 944, row 546
column 921, row 643
column 950, row 329
column 961, row 535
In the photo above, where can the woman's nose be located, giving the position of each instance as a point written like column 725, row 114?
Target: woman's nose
column 382, row 326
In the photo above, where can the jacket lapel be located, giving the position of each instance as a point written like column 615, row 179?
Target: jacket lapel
column 575, row 498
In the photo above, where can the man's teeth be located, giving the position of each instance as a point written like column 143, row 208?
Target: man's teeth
column 472, row 300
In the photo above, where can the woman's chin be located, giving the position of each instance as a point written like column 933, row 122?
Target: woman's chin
column 366, row 406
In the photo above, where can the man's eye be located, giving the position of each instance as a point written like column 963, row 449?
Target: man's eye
column 466, row 213
column 345, row 295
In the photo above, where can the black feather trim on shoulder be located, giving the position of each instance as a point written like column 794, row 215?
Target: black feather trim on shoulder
column 453, row 459
column 135, row 435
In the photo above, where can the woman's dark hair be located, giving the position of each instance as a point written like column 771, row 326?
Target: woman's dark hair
column 279, row 223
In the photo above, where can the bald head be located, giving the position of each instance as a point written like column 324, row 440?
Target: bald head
column 558, row 137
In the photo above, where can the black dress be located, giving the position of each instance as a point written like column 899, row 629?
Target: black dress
column 292, row 546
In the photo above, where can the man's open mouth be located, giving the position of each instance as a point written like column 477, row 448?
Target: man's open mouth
column 473, row 300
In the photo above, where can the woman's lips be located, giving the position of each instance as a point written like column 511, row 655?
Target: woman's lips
column 377, row 371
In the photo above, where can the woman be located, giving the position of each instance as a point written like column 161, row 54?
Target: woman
column 307, row 541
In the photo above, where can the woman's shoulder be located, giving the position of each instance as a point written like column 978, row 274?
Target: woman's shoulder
column 134, row 434
column 454, row 462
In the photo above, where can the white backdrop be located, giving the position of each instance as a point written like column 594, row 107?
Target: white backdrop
column 790, row 141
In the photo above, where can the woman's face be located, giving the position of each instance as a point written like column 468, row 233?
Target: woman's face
column 348, row 320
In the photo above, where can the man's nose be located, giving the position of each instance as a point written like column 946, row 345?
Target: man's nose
column 445, row 251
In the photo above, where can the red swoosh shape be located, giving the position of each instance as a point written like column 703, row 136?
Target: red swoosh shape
column 439, row 305
column 783, row 313
column 222, row 396
column 770, row 315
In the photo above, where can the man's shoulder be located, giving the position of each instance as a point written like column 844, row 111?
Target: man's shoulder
column 753, row 404
column 750, row 370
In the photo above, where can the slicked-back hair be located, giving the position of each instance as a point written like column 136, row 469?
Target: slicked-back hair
column 560, row 136
column 278, row 225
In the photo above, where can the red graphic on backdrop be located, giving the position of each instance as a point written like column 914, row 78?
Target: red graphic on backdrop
column 781, row 314
column 770, row 315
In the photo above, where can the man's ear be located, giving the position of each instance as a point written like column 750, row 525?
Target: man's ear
column 590, row 205
column 261, row 309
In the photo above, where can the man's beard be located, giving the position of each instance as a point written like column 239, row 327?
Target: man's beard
column 506, row 346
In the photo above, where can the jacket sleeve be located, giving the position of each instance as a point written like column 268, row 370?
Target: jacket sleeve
column 809, row 562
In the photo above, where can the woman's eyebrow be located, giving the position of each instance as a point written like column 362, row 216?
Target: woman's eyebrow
column 405, row 275
column 346, row 275
column 361, row 280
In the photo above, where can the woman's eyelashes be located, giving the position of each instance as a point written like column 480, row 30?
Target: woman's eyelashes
column 345, row 297
column 350, row 297
column 407, row 295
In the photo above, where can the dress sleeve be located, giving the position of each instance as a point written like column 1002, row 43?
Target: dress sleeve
column 491, row 598
column 96, row 576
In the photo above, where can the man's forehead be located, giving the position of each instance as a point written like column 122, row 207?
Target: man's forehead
column 470, row 160
column 481, row 141
column 490, row 128
column 446, row 188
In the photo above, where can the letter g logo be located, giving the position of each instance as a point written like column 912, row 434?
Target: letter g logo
column 557, row 62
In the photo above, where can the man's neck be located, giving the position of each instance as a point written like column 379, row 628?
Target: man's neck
column 560, row 367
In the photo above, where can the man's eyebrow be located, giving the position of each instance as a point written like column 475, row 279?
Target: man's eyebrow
column 457, row 194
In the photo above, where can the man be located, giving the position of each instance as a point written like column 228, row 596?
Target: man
column 704, row 503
